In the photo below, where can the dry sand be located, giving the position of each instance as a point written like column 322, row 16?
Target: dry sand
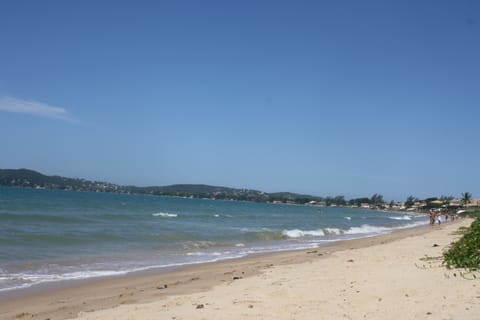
column 385, row 277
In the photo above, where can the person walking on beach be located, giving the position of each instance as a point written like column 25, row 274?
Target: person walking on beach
column 432, row 217
column 439, row 218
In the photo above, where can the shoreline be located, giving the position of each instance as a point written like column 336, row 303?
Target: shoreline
column 297, row 238
column 55, row 285
column 92, row 295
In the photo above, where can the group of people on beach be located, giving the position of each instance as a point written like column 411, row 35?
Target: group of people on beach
column 437, row 216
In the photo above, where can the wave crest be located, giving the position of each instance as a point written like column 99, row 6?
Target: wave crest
column 367, row 229
column 165, row 215
column 297, row 233
column 401, row 218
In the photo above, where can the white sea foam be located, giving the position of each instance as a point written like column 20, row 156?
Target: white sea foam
column 333, row 231
column 34, row 279
column 401, row 218
column 297, row 233
column 165, row 215
column 367, row 229
column 348, row 218
column 29, row 280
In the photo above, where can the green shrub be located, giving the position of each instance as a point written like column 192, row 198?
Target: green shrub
column 465, row 253
column 475, row 213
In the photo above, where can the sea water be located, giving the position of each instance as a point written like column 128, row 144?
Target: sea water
column 57, row 235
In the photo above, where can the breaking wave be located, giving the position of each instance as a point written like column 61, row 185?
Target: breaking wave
column 363, row 229
column 367, row 229
column 401, row 218
column 165, row 215
column 297, row 233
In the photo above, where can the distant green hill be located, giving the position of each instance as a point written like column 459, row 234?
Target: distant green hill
column 29, row 178
column 33, row 179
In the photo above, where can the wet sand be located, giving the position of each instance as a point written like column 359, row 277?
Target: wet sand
column 381, row 277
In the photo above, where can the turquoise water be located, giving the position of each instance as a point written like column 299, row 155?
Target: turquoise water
column 55, row 235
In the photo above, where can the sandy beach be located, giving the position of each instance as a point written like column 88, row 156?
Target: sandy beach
column 393, row 276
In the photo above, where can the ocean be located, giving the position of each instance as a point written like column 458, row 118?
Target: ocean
column 54, row 235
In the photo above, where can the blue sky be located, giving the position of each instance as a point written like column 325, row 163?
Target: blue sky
column 320, row 97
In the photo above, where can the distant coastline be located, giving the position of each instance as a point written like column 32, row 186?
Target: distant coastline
column 27, row 178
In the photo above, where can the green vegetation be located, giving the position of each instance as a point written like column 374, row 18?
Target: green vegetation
column 465, row 253
column 466, row 198
column 31, row 179
column 410, row 201
column 473, row 213
column 377, row 199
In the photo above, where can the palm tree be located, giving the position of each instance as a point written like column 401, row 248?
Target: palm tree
column 466, row 197
column 410, row 201
column 377, row 199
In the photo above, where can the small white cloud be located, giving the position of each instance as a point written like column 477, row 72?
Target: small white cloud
column 34, row 108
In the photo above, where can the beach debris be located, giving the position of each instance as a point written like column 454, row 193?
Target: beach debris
column 429, row 313
column 428, row 258
column 429, row 266
column 250, row 306
column 200, row 306
column 314, row 251
column 432, row 262
column 435, row 245
column 165, row 286
column 237, row 278
column 468, row 275
column 350, row 260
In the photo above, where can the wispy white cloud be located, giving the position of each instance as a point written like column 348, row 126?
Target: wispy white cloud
column 34, row 108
